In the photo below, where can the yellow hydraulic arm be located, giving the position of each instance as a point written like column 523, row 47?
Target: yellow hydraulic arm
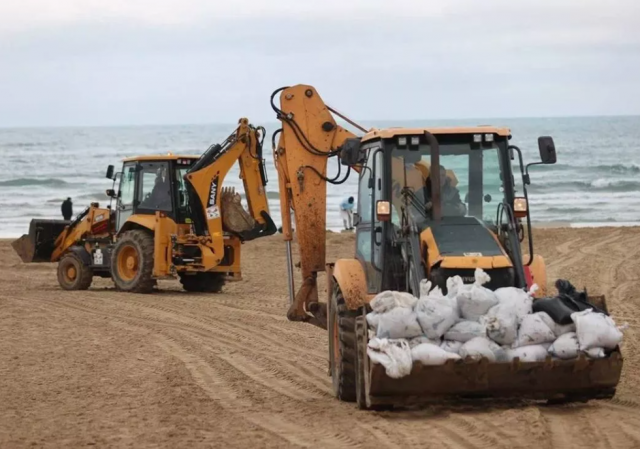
column 205, row 179
column 309, row 137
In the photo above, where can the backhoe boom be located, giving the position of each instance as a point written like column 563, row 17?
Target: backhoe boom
column 206, row 176
column 309, row 137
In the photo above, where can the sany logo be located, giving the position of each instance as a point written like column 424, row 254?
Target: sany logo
column 214, row 191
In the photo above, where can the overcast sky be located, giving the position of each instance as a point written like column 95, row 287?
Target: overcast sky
column 105, row 62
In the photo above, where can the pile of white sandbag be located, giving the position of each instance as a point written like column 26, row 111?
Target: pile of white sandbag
column 473, row 321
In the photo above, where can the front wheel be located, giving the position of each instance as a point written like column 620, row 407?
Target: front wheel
column 342, row 347
column 73, row 274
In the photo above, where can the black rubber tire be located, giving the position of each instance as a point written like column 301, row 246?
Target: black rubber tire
column 361, row 340
column 143, row 281
column 84, row 274
column 342, row 347
column 203, row 282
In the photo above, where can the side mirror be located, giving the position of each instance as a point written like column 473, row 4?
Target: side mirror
column 111, row 193
column 547, row 150
column 110, row 170
column 350, row 152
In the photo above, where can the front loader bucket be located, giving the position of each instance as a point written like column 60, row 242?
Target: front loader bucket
column 573, row 380
column 38, row 244
column 580, row 379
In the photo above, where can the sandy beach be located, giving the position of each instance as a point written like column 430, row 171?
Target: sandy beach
column 173, row 369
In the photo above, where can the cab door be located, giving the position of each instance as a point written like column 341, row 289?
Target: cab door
column 368, row 229
column 126, row 194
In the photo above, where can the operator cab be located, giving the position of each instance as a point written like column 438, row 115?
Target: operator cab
column 149, row 184
column 410, row 222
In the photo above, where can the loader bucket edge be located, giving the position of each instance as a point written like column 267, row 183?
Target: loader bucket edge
column 38, row 245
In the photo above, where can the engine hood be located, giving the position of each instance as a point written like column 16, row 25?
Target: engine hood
column 462, row 242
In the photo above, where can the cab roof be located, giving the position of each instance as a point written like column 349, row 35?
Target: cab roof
column 160, row 157
column 389, row 133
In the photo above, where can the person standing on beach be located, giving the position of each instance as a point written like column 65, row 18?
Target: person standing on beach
column 346, row 212
column 67, row 209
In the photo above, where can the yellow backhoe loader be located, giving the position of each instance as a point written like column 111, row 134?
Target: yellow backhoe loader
column 410, row 225
column 172, row 218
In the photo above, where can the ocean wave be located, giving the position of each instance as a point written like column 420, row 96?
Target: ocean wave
column 28, row 144
column 618, row 169
column 24, row 182
column 96, row 196
column 599, row 185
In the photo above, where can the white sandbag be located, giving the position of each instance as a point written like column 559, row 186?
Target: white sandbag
column 501, row 325
column 482, row 347
column 476, row 301
column 566, row 346
column 394, row 355
column 373, row 318
column 503, row 319
column 595, row 353
column 429, row 354
column 425, row 287
column 404, row 299
column 464, row 331
column 534, row 331
column 513, row 301
column 455, row 285
column 436, row 315
column 558, row 329
column 596, row 330
column 423, row 339
column 399, row 322
column 371, row 334
column 383, row 302
column 534, row 353
column 451, row 346
column 427, row 291
column 388, row 300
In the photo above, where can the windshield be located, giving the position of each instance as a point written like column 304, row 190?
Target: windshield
column 470, row 182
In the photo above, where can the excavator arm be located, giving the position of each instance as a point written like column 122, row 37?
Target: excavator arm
column 215, row 210
column 309, row 137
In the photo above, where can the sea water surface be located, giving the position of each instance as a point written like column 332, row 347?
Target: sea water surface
column 596, row 180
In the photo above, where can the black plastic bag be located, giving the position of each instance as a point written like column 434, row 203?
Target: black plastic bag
column 568, row 301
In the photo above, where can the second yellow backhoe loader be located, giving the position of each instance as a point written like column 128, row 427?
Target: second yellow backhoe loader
column 172, row 218
column 408, row 228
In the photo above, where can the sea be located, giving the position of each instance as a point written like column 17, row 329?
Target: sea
column 596, row 181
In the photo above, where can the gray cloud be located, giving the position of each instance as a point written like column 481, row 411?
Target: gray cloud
column 437, row 60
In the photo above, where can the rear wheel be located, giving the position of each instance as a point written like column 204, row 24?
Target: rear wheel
column 203, row 282
column 342, row 347
column 73, row 274
column 132, row 262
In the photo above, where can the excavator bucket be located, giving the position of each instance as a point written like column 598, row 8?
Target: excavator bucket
column 39, row 243
column 235, row 218
column 580, row 379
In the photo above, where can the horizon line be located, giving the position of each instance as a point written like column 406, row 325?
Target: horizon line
column 275, row 120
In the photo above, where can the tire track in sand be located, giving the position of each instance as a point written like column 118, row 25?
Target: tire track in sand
column 301, row 386
column 223, row 382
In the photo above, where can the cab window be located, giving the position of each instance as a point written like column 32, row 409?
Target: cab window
column 154, row 190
